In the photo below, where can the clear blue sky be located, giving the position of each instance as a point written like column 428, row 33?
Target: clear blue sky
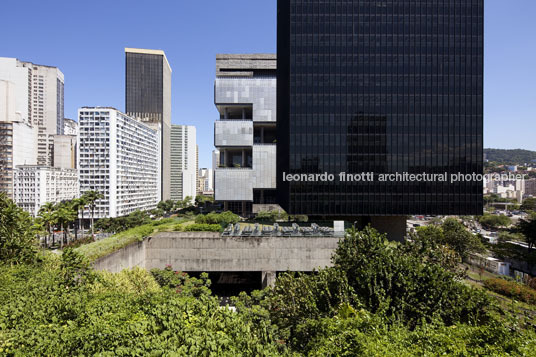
column 86, row 41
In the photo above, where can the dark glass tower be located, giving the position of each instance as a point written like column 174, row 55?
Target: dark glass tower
column 385, row 87
column 148, row 99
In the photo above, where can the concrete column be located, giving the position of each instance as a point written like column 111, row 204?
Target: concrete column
column 244, row 158
column 268, row 278
column 225, row 114
column 262, row 134
column 243, row 113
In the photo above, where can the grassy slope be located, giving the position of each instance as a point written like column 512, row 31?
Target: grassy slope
column 106, row 246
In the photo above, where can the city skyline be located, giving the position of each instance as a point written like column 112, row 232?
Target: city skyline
column 191, row 38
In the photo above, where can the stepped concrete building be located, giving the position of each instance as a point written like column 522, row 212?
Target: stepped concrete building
column 245, row 134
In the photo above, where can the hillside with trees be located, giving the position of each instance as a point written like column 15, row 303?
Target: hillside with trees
column 510, row 157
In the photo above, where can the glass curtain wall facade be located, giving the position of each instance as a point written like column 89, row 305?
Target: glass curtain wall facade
column 148, row 99
column 383, row 87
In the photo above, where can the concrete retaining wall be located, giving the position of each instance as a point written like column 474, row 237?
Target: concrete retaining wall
column 128, row 257
column 203, row 251
column 198, row 251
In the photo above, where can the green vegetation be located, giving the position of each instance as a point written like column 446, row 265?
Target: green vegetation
column 106, row 246
column 120, row 224
column 126, row 314
column 271, row 216
column 494, row 221
column 529, row 205
column 450, row 236
column 203, row 227
column 223, row 219
column 510, row 157
column 17, row 233
column 528, row 229
column 512, row 289
column 378, row 299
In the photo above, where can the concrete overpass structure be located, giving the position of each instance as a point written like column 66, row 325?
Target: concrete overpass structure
column 211, row 252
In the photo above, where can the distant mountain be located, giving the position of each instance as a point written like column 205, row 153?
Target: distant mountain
column 511, row 157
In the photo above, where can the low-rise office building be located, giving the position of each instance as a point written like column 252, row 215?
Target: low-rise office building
column 34, row 185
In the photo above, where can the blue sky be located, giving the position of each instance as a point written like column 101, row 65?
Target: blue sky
column 86, row 41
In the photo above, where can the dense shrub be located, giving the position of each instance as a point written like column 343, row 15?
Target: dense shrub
column 18, row 243
column 401, row 286
column 224, row 218
column 271, row 216
column 162, row 222
column 120, row 224
column 512, row 289
column 299, row 218
column 177, row 228
column 203, row 228
column 40, row 317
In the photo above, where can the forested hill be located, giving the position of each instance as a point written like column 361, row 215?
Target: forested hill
column 515, row 156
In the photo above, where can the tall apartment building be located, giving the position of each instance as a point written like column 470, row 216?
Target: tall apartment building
column 183, row 162
column 148, row 99
column 36, row 185
column 119, row 157
column 39, row 99
column 383, row 87
column 245, row 134
column 18, row 138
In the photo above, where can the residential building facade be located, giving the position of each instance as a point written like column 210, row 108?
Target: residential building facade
column 381, row 87
column 183, row 162
column 36, row 185
column 18, row 137
column 245, row 134
column 148, row 99
column 39, row 99
column 119, row 157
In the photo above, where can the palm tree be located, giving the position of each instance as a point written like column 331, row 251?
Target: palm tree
column 91, row 199
column 47, row 213
column 66, row 214
column 79, row 204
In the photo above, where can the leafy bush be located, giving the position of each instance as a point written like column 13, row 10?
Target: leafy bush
column 18, row 242
column 181, row 283
column 400, row 286
column 40, row 317
column 178, row 228
column 203, row 228
column 120, row 224
column 135, row 280
column 224, row 218
column 272, row 216
column 512, row 289
column 494, row 221
column 299, row 218
column 162, row 222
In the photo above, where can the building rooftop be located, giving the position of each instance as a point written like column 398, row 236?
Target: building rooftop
column 245, row 65
column 148, row 52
